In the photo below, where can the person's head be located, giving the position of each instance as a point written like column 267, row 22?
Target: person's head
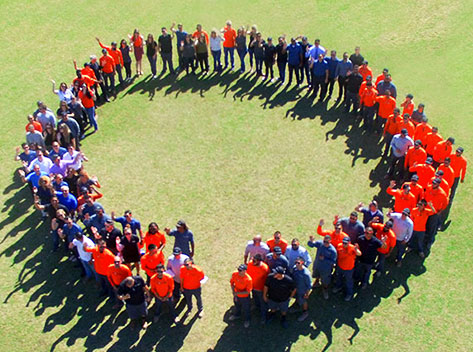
column 304, row 40
column 127, row 231
column 181, row 226
column 61, row 214
column 295, row 244
column 421, row 107
column 345, row 56
column 417, row 144
column 450, row 141
column 422, row 204
column 357, row 50
column 229, row 24
column 447, row 161
column 242, row 269
column 396, row 111
column 56, row 146
column 338, row 227
column 388, row 226
column 128, row 215
column 198, row 27
column 405, row 118
column 299, row 263
column 160, row 270
column 254, row 28
column 414, row 179
column 153, row 228
column 429, row 160
column 54, row 201
column 353, row 217
column 356, row 69
column 213, row 33
column 129, row 282
column 270, row 40
column 123, row 43
column 320, row 57
column 25, row 146
column 109, row 225
column 369, row 80
column 30, row 118
column 459, row 151
column 409, row 97
column 365, row 63
column 93, row 58
column 39, row 153
column 257, row 259
column 333, row 54
column 327, row 240
column 317, row 42
column 78, row 73
column 387, row 78
column 406, row 189
column 373, row 205
column 117, row 261
column 177, row 252
column 369, row 232
column 293, row 41
column 439, row 174
column 281, row 40
column 30, row 128
column 152, row 249
column 57, row 160
column 104, row 52
column 387, row 93
column 257, row 240
column 436, row 183
column 346, row 241
column 277, row 252
column 79, row 237
column 404, row 133
column 277, row 236
column 136, row 32
column 188, row 263
column 279, row 272
column 65, row 190
column 150, row 38
column 69, row 222
column 164, row 30
column 179, row 27
column 435, row 130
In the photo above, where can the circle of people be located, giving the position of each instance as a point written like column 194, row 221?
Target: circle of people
column 273, row 272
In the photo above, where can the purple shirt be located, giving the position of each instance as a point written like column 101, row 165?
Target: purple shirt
column 61, row 168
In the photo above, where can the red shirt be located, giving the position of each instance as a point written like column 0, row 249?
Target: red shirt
column 441, row 151
column 258, row 274
column 157, row 239
column 86, row 101
column 407, row 108
column 117, row 275
column 425, row 173
column 365, row 71
column 386, row 106
column 368, row 96
column 197, row 34
column 458, row 164
column 346, row 256
column 241, row 284
column 402, row 200
column 229, row 35
column 190, row 278
column 162, row 287
column 391, row 237
column 430, row 141
column 409, row 126
column 107, row 63
column 391, row 124
column 81, row 199
column 115, row 54
column 419, row 218
column 438, row 198
column 336, row 238
column 443, row 185
column 414, row 155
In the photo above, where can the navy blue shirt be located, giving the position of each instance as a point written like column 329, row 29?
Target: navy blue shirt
column 28, row 157
column 278, row 261
column 294, row 54
column 369, row 249
column 368, row 216
column 183, row 240
column 383, row 86
column 134, row 224
column 320, row 67
column 180, row 36
column 52, row 153
column 332, row 66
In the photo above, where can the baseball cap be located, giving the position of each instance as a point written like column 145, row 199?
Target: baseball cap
column 418, row 142
column 279, row 270
column 404, row 131
column 406, row 211
column 176, row 250
column 242, row 267
column 460, row 149
column 436, row 181
column 104, row 51
column 346, row 239
column 181, row 223
column 277, row 250
column 429, row 160
column 415, row 178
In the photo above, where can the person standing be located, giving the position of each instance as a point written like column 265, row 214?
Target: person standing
column 383, row 232
column 134, row 292
column 302, row 278
column 255, row 246
column 277, row 240
column 399, row 146
column 353, row 83
column 175, row 262
column 152, row 53
column 324, row 262
column 294, row 60
column 117, row 57
column 216, row 50
column 276, row 258
column 353, row 227
column 320, row 75
column 229, row 34
column 336, row 236
column 257, row 46
column 162, row 288
column 107, row 65
column 154, row 236
column 137, row 41
column 297, row 251
column 385, row 85
column 424, row 172
column 344, row 68
column 368, row 245
column 151, row 260
column 165, row 49
column 87, row 97
column 403, row 228
column 240, row 44
column 279, row 288
column 458, row 163
column 128, row 219
column 281, row 50
column 241, row 284
column 183, row 238
column 191, row 276
column 269, row 58
column 356, row 58
column 117, row 272
column 129, row 250
column 188, row 54
column 258, row 271
column 368, row 105
column 333, row 62
column 305, row 68
column 103, row 258
column 419, row 216
column 403, row 198
column 439, row 199
column 80, row 241
column 125, row 50
column 370, row 212
column 202, row 52
column 181, row 35
column 346, row 256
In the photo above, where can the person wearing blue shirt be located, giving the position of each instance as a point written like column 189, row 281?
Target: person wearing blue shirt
column 324, row 262
column 183, row 238
column 296, row 251
column 344, row 67
column 58, row 182
column 294, row 60
column 127, row 219
column 320, row 74
column 370, row 212
column 57, row 150
column 305, row 68
column 301, row 276
column 180, row 39
column 276, row 258
column 385, row 85
column 67, row 199
column 315, row 50
column 33, row 177
column 27, row 156
column 69, row 230
column 333, row 62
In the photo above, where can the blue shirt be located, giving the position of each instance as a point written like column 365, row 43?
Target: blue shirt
column 292, row 254
column 329, row 255
column 353, row 230
column 319, row 68
column 303, row 280
column 70, row 202
column 28, row 157
column 278, row 261
column 134, row 224
column 71, row 232
column 180, row 37
column 332, row 66
column 57, row 186
column 343, row 67
column 52, row 153
column 91, row 209
column 315, row 51
column 183, row 240
column 383, row 86
column 294, row 52
column 97, row 221
column 34, row 179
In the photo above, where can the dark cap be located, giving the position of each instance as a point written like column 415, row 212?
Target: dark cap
column 277, row 250
column 242, row 267
column 418, row 142
column 346, row 239
column 428, row 160
column 368, row 77
column 114, row 43
column 406, row 187
column 279, row 270
column 365, row 62
column 385, row 70
column 84, row 190
column 406, row 211
column 437, row 181
column 327, row 238
column 415, row 178
column 104, row 51
column 404, row 131
column 181, row 223
column 460, row 149
column 176, row 250
column 388, row 224
column 439, row 173
column 270, row 39
column 410, row 96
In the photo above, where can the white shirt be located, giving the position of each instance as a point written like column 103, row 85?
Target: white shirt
column 86, row 241
column 78, row 164
column 402, row 228
column 215, row 43
column 44, row 165
column 65, row 96
column 175, row 266
column 251, row 250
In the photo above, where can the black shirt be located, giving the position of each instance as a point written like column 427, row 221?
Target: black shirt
column 279, row 290
column 111, row 238
column 96, row 68
column 354, row 81
column 282, row 57
column 258, row 50
column 165, row 41
column 151, row 48
column 130, row 251
column 357, row 59
column 269, row 51
column 137, row 293
column 369, row 249
column 304, row 50
column 52, row 210
column 240, row 42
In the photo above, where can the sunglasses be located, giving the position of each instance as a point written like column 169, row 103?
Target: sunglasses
column 298, row 262
column 160, row 271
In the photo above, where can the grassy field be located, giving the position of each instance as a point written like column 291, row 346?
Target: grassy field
column 235, row 157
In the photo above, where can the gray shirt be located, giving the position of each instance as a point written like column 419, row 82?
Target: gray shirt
column 175, row 264
column 399, row 145
column 251, row 250
column 35, row 137
column 402, row 228
column 47, row 117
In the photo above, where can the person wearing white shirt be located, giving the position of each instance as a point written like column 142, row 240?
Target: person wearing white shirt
column 85, row 257
column 40, row 160
column 254, row 247
column 216, row 49
column 173, row 268
column 63, row 92
column 71, row 155
column 403, row 228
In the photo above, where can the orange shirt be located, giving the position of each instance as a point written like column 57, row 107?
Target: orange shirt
column 107, row 63
column 368, row 96
column 365, row 71
column 149, row 262
column 89, row 81
column 407, row 108
column 258, row 274
column 448, row 174
column 102, row 260
column 458, row 164
column 346, row 256
column 115, row 54
column 441, row 151
column 409, row 126
column 414, row 155
column 422, row 129
column 117, row 275
column 391, row 237
column 401, row 200
column 87, row 71
column 430, row 141
column 157, row 239
column 86, row 101
column 190, row 278
column 37, row 126
column 391, row 124
column 81, row 199
column 272, row 243
column 336, row 239
column 162, row 287
column 137, row 41
column 419, row 218
column 229, row 35
column 380, row 78
column 197, row 34
column 443, row 185
column 425, row 173
column 416, row 189
column 386, row 106
column 241, row 284
column 438, row 198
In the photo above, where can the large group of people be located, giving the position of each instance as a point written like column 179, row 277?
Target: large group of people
column 424, row 174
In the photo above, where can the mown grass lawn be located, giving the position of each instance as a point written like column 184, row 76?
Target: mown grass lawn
column 235, row 157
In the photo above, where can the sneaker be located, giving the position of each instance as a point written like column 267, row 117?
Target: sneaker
column 303, row 316
column 246, row 324
column 233, row 317
column 336, row 289
column 177, row 320
column 348, row 298
column 201, row 314
column 422, row 255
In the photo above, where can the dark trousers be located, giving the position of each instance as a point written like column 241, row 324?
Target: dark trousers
column 167, row 61
column 259, row 302
column 229, row 52
column 431, row 229
column 396, row 170
column 401, row 249
column 198, row 295
column 282, row 70
column 342, row 87
column 388, row 137
column 295, row 69
column 169, row 302
column 176, row 294
column 217, row 54
column 347, row 276
column 319, row 81
column 188, row 62
column 179, row 57
column 109, row 80
column 364, row 272
column 453, row 190
column 259, row 65
column 305, row 70
column 330, row 85
column 152, row 63
column 127, row 69
column 368, row 115
column 417, row 241
column 268, row 64
column 351, row 99
column 252, row 54
column 242, row 307
column 106, row 287
column 242, row 54
column 203, row 59
column 118, row 68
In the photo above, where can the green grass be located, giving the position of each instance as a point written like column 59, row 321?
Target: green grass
column 234, row 158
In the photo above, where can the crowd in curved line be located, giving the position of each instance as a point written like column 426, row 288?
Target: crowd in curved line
column 424, row 173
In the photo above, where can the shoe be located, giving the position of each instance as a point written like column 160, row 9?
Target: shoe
column 201, row 314
column 233, row 317
column 177, row 320
column 156, row 319
column 246, row 324
column 422, row 255
column 303, row 316
column 348, row 298
column 408, row 250
column 336, row 289
column 399, row 264
column 377, row 274
column 325, row 294
column 145, row 325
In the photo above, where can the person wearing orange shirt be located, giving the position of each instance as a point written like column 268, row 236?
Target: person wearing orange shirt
column 199, row 31
column 441, row 151
column 382, row 76
column 408, row 105
column 443, row 184
column 337, row 235
column 425, row 172
column 390, row 129
column 365, row 70
column 431, row 140
column 386, row 106
column 369, row 79
column 191, row 277
column 258, row 271
column 438, row 199
column 87, row 97
column 403, row 198
column 154, row 236
column 385, row 234
column 415, row 154
column 116, row 55
column 36, row 125
column 458, row 163
column 229, row 35
column 151, row 260
column 277, row 241
column 419, row 216
column 368, row 101
column 346, row 255
column 416, row 189
column 103, row 258
column 408, row 125
column 117, row 272
column 448, row 173
column 162, row 287
column 241, row 284
column 107, row 64
column 422, row 129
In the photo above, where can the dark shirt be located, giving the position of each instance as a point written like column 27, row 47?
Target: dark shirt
column 28, row 157
column 52, row 210
column 125, row 53
column 369, row 249
column 111, row 238
column 332, row 66
column 269, row 52
column 180, row 37
column 130, row 251
column 353, row 230
column 320, row 68
column 137, row 293
column 165, row 41
column 188, row 51
column 151, row 48
column 356, row 59
column 183, row 240
column 367, row 216
column 383, row 86
column 416, row 117
column 278, row 261
column 240, row 42
column 96, row 67
column 282, row 57
column 354, row 81
column 73, row 126
column 304, row 50
column 259, row 51
column 279, row 290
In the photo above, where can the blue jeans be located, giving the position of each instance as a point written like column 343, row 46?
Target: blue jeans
column 106, row 287
column 364, row 272
column 259, row 65
column 242, row 305
column 198, row 295
column 242, row 54
column 259, row 302
column 89, row 271
column 169, row 302
column 91, row 115
column 152, row 63
column 417, row 241
column 167, row 60
column 381, row 262
column 216, row 54
column 401, row 248
column 282, row 70
column 346, row 275
column 230, row 51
